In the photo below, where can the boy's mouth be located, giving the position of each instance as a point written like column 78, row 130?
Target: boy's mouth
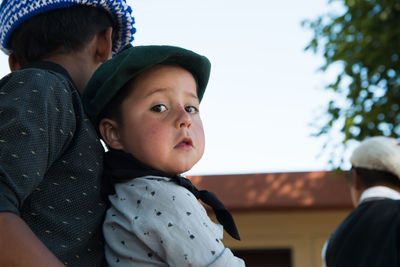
column 185, row 143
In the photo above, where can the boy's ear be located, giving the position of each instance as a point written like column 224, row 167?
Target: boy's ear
column 103, row 45
column 109, row 132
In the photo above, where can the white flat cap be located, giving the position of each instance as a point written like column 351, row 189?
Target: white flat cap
column 378, row 153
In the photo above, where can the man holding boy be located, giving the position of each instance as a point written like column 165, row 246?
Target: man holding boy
column 51, row 208
column 370, row 235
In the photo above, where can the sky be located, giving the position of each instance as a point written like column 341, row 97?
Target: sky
column 264, row 89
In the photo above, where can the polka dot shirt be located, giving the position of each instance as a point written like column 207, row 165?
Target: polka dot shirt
column 155, row 222
column 50, row 163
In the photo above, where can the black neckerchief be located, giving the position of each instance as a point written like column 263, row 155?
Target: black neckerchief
column 120, row 166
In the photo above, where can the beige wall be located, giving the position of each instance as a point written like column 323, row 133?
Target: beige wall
column 304, row 232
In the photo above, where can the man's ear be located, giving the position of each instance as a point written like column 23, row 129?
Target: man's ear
column 109, row 132
column 13, row 63
column 357, row 183
column 103, row 45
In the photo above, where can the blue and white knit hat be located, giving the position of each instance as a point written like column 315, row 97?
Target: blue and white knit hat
column 15, row 12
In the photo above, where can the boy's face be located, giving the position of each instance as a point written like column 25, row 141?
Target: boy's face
column 161, row 124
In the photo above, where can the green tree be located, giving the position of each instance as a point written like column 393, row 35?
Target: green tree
column 365, row 40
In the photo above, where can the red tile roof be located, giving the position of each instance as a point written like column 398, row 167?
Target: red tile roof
column 291, row 190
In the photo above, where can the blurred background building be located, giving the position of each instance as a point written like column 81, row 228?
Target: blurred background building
column 283, row 218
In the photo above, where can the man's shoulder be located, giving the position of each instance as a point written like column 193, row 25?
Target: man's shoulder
column 372, row 227
column 35, row 78
column 373, row 212
column 378, row 203
column 39, row 74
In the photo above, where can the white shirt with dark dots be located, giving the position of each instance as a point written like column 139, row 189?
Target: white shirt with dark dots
column 153, row 221
column 50, row 163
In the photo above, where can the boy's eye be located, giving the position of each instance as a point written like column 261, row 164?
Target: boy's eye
column 191, row 109
column 159, row 108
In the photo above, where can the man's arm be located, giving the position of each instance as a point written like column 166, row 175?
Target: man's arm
column 29, row 144
column 20, row 247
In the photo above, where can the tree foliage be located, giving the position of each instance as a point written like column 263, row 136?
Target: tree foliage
column 365, row 39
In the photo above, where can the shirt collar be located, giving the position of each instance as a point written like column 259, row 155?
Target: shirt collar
column 379, row 192
column 47, row 65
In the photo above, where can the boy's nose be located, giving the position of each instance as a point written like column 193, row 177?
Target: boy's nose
column 183, row 119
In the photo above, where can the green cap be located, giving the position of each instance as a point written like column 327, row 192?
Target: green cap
column 113, row 74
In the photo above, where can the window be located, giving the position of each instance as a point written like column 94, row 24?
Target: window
column 265, row 257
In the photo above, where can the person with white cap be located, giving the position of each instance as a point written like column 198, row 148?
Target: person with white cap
column 51, row 208
column 370, row 235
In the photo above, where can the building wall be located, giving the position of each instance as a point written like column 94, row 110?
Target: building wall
column 279, row 211
column 304, row 232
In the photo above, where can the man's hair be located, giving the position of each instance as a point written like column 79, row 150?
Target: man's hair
column 58, row 31
column 371, row 178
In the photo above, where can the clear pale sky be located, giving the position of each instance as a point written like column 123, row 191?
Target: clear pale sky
column 264, row 90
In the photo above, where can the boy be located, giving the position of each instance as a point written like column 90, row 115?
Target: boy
column 51, row 209
column 145, row 102
column 370, row 235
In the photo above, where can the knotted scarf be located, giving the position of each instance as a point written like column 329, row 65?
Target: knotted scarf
column 120, row 166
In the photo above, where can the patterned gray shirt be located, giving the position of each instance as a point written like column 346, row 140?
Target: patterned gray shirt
column 51, row 162
column 153, row 222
